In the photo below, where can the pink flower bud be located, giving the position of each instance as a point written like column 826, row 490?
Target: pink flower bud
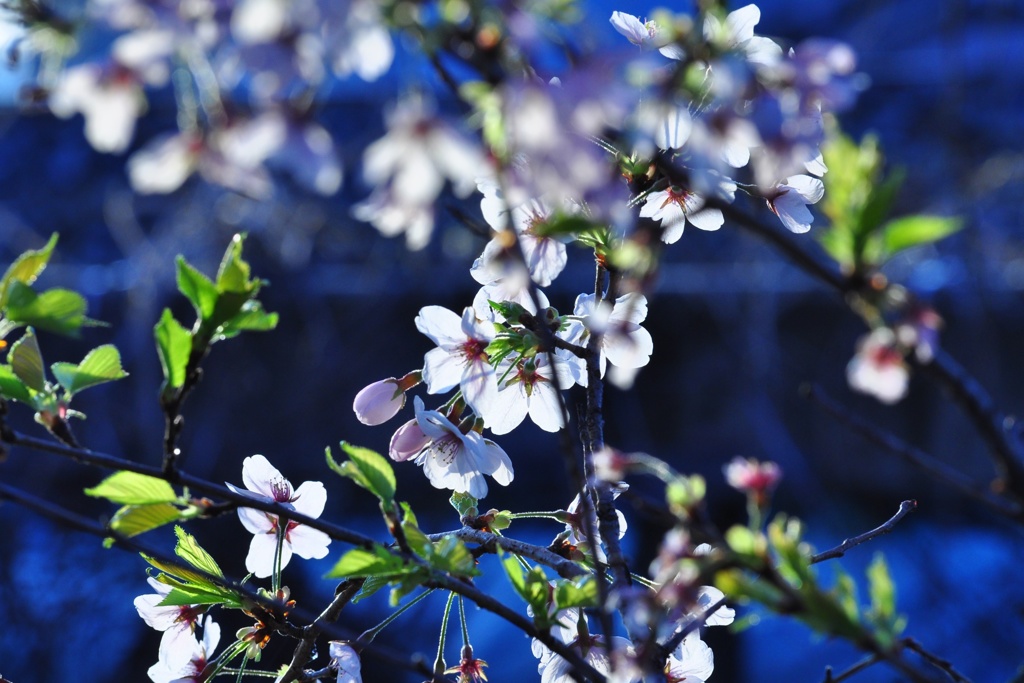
column 379, row 402
column 407, row 442
column 750, row 476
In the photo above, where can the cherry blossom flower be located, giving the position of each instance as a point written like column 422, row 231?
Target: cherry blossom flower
column 752, row 477
column 692, row 662
column 674, row 206
column 529, row 389
column 265, row 482
column 178, row 623
column 878, row 368
column 790, row 199
column 194, row 658
column 460, row 359
column 407, row 441
column 646, row 35
column 456, row 460
column 577, row 530
column 738, row 33
column 624, row 343
column 554, row 669
column 346, row 659
column 357, row 40
column 412, row 161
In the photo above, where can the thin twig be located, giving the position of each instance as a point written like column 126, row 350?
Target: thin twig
column 567, row 569
column 915, row 456
column 670, row 645
column 939, row 663
column 850, row 672
column 906, row 507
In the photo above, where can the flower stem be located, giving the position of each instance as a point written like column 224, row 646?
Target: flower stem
column 534, row 515
column 439, row 665
column 462, row 620
column 368, row 635
column 275, row 581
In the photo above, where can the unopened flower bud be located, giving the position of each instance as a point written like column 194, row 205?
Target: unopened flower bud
column 407, row 442
column 379, row 402
column 750, row 476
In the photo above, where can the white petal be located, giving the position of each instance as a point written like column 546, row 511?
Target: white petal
column 442, row 370
column 309, row 499
column 741, row 23
column 508, row 409
column 479, row 385
column 545, row 408
column 258, row 474
column 255, row 521
column 260, row 560
column 309, row 543
column 706, row 219
column 442, row 326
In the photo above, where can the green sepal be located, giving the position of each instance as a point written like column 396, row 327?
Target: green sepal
column 26, row 268
column 102, row 364
column 174, row 346
column 366, row 468
column 131, row 488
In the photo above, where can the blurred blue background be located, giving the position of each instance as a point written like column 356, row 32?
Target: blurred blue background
column 736, row 331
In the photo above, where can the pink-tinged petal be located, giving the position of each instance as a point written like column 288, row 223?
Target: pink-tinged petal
column 442, row 326
column 377, row 403
column 255, row 521
column 258, row 475
column 496, row 462
column 741, row 23
column 479, row 385
column 442, row 370
column 707, row 219
column 309, row 543
column 347, row 659
column 260, row 560
column 629, row 308
column 177, row 646
column 631, row 27
column 545, row 408
column 159, row 618
column 309, row 499
column 508, row 410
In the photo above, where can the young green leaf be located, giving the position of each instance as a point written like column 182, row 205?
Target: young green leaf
column 56, row 310
column 452, row 556
column 881, row 589
column 251, row 317
column 102, row 364
column 913, row 231
column 173, row 345
column 463, row 503
column 197, row 288
column 131, row 488
column 26, row 268
column 27, row 361
column 189, row 550
column 579, row 593
column 367, row 468
column 357, row 563
column 234, row 273
column 12, row 387
column 132, row 520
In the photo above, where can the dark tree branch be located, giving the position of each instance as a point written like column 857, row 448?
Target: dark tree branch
column 942, row 664
column 906, row 507
column 914, row 456
column 850, row 672
column 489, row 542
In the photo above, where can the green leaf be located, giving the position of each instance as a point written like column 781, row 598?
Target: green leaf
column 417, row 540
column 26, row 268
column 102, row 364
column 233, row 273
column 579, row 593
column 13, row 388
column 463, row 503
column 881, row 589
column 371, row 585
column 132, row 520
column 368, row 469
column 251, row 317
column 357, row 563
column 131, row 488
column 55, row 310
column 195, row 595
column 531, row 585
column 174, row 346
column 197, row 288
column 27, row 361
column 451, row 555
column 913, row 231
column 189, row 550
column 741, row 540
